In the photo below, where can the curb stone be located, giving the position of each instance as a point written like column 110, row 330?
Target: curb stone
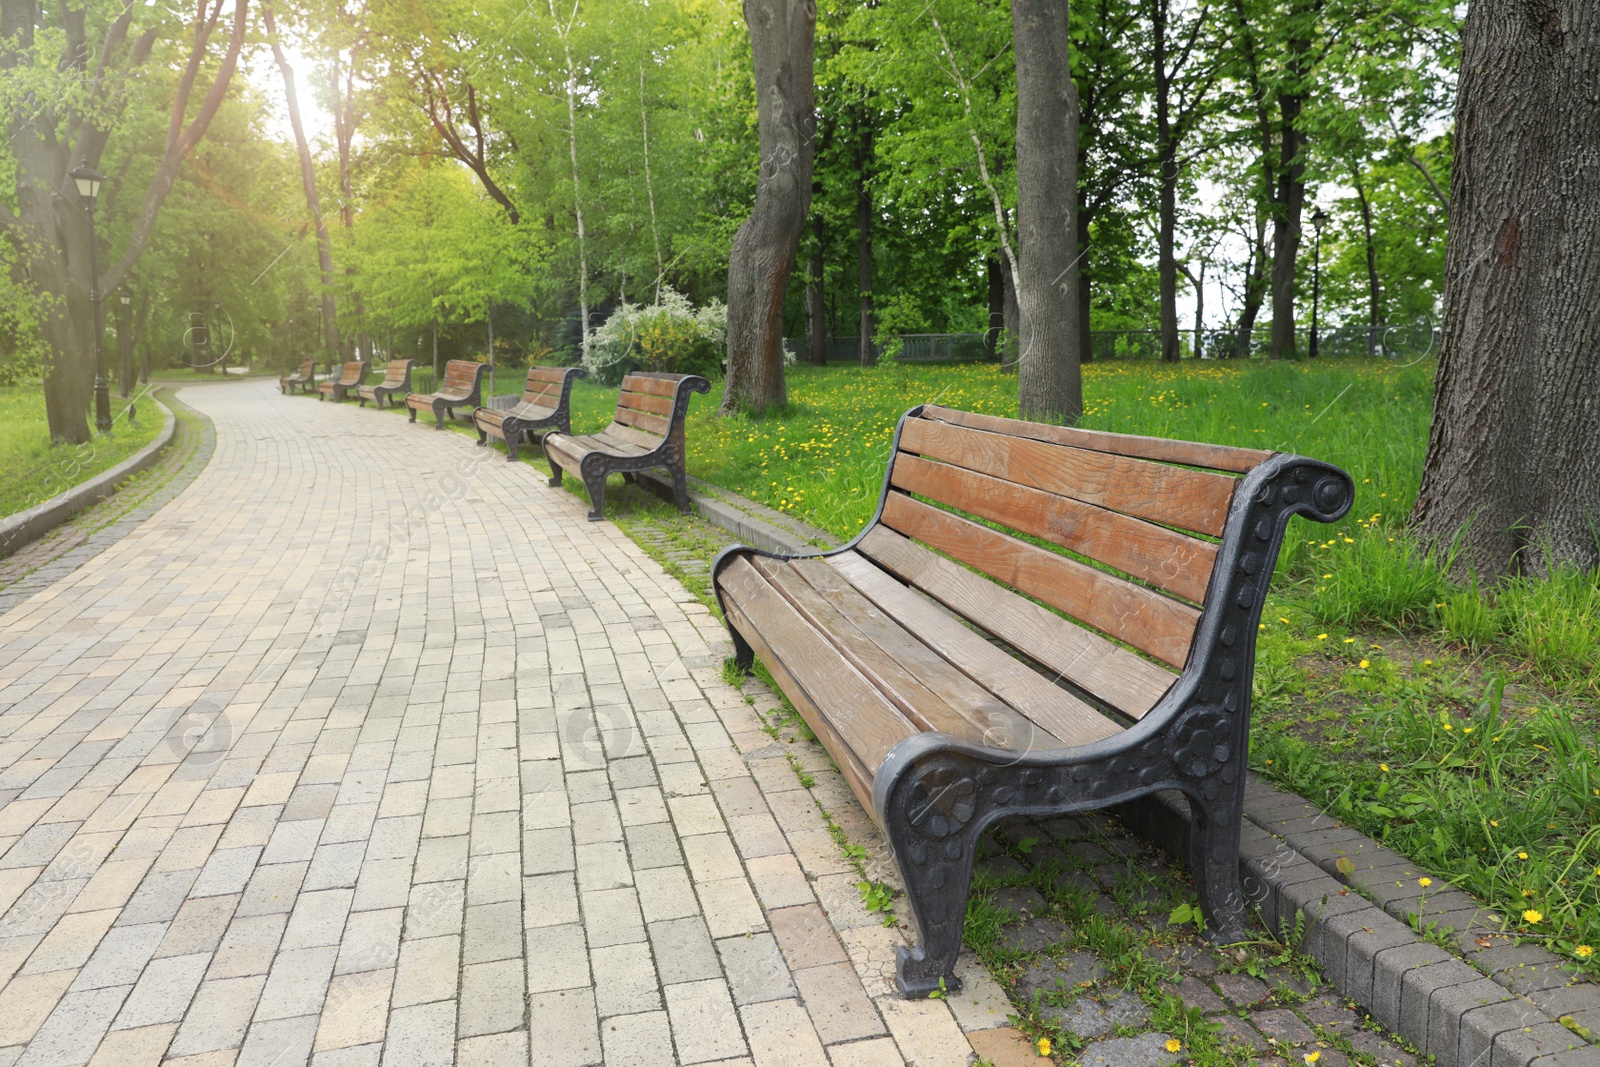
column 25, row 527
column 1464, row 1014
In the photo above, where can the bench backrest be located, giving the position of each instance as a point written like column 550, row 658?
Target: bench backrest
column 648, row 409
column 548, row 386
column 398, row 372
column 461, row 377
column 306, row 369
column 352, row 373
column 1139, row 519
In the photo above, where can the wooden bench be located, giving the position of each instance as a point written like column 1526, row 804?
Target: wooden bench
column 350, row 376
column 463, row 387
column 396, row 380
column 545, row 403
column 646, row 431
column 922, row 657
column 303, row 378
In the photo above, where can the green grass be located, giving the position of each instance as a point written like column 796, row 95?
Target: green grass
column 36, row 470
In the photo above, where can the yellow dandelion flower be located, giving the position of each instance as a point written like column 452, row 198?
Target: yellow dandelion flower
column 1494, row 822
column 1312, row 1057
column 1522, row 855
column 1527, row 892
column 1583, row 952
column 1365, row 664
column 1531, row 916
column 1384, row 767
column 1044, row 1046
column 1349, row 640
column 1174, row 1045
column 1322, row 637
column 1424, row 882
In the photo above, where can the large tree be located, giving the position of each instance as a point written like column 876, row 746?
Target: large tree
column 67, row 76
column 1516, row 419
column 782, row 40
column 1049, row 379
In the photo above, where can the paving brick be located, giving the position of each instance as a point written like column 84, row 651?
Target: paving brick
column 563, row 1029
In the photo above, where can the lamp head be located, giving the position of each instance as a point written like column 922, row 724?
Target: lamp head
column 1319, row 219
column 88, row 181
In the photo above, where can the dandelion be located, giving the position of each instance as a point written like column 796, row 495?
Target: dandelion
column 1174, row 1045
column 1494, row 822
column 1424, row 882
column 1312, row 1057
column 1427, row 663
column 1322, row 637
column 1527, row 892
column 1349, row 640
column 1583, row 952
column 1365, row 664
column 1384, row 767
column 1522, row 855
column 1044, row 1046
column 1532, row 917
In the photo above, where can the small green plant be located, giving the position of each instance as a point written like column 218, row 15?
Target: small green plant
column 1187, row 914
column 877, row 898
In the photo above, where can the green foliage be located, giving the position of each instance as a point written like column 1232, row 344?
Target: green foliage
column 671, row 336
column 36, row 470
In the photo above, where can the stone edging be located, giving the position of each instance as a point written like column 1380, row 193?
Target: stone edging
column 28, row 526
column 1491, row 1003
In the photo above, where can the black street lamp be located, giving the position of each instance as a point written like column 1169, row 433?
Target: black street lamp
column 88, row 182
column 1319, row 218
column 125, row 348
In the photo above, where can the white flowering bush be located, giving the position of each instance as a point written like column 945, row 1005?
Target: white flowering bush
column 671, row 335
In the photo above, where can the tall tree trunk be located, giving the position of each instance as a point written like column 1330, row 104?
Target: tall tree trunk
column 1516, row 422
column 650, row 187
column 997, row 309
column 1374, row 290
column 1291, row 192
column 816, row 296
column 1255, row 286
column 308, row 182
column 1167, row 177
column 564, row 32
column 345, row 118
column 869, row 325
column 782, row 39
column 1049, row 380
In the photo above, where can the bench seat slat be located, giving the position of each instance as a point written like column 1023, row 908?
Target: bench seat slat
column 1176, row 562
column 1157, row 492
column 1051, row 707
column 1189, row 453
column 1131, row 613
column 929, row 691
column 859, row 723
column 626, row 438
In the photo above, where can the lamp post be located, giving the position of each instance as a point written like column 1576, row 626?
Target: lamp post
column 125, row 349
column 88, row 182
column 1319, row 218
column 216, row 319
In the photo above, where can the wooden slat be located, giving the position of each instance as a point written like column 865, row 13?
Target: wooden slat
column 552, row 375
column 1174, row 561
column 566, row 452
column 1051, row 707
column 638, row 383
column 1173, row 496
column 643, row 421
column 531, row 412
column 654, row 405
column 623, row 441
column 546, row 392
column 853, row 720
column 1105, row 670
column 1131, row 613
column 1190, row 453
column 928, row 691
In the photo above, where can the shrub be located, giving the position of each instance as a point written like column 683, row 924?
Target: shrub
column 671, row 336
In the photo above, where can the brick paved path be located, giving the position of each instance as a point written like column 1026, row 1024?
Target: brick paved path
column 366, row 748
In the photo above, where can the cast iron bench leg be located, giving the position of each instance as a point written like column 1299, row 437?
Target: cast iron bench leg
column 680, row 489
column 1214, row 864
column 594, row 480
column 438, row 415
column 513, row 439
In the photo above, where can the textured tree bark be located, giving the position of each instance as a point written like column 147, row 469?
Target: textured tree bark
column 782, row 41
column 1516, row 418
column 1374, row 289
column 1049, row 380
column 1255, row 288
column 52, row 134
column 308, row 183
column 1291, row 194
column 997, row 309
column 869, row 324
column 816, row 295
column 1167, row 177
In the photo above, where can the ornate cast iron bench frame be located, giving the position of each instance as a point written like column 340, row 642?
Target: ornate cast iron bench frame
column 822, row 623
column 396, row 380
column 456, row 391
column 524, row 421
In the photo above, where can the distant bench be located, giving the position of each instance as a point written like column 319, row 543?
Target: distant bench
column 396, row 381
column 921, row 657
column 350, row 376
column 302, row 378
column 545, row 405
column 646, row 431
column 463, row 387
